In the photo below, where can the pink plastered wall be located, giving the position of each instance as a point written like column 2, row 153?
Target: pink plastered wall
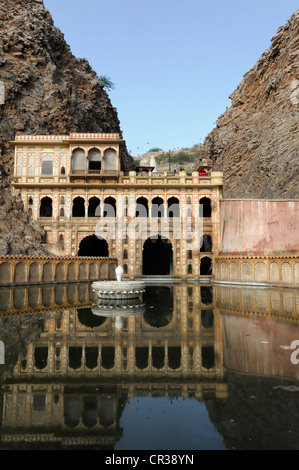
column 259, row 227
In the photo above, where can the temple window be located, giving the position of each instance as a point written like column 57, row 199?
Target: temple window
column 94, row 160
column 47, row 166
column 78, row 160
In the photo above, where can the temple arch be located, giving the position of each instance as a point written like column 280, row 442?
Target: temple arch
column 93, row 246
column 157, row 256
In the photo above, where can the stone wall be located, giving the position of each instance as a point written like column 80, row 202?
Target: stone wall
column 259, row 227
column 259, row 242
column 20, row 270
column 256, row 270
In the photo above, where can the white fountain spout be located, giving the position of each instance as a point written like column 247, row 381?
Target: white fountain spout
column 119, row 273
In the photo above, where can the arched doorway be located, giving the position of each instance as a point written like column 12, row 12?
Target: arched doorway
column 157, row 257
column 93, row 246
column 205, row 266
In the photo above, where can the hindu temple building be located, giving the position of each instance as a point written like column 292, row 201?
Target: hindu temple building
column 174, row 224
column 152, row 223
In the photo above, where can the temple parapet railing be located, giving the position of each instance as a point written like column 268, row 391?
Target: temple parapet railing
column 20, row 270
column 272, row 270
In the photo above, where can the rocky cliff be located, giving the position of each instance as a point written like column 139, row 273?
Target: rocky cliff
column 255, row 142
column 46, row 91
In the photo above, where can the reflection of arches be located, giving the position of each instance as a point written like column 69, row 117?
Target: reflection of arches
column 91, row 357
column 205, row 266
column 208, row 357
column 78, row 160
column 40, row 357
column 78, row 207
column 206, row 295
column 207, row 318
column 205, row 209
column 93, row 246
column 206, row 244
column 107, row 357
column 88, row 319
column 157, row 256
column 33, row 297
column 158, row 356
column 142, row 207
column 159, row 306
column 72, row 410
column 157, row 207
column 89, row 412
column 174, row 357
column 94, row 207
column 19, row 297
column 141, row 357
column 173, row 207
column 46, row 209
column 75, row 357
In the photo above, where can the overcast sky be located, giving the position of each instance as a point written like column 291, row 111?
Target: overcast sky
column 174, row 63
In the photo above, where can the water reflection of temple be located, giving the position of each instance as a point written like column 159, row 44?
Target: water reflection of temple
column 259, row 326
column 70, row 385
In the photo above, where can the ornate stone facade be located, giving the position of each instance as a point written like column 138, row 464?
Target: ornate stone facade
column 69, row 183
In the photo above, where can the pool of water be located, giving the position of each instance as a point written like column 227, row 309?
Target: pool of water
column 191, row 367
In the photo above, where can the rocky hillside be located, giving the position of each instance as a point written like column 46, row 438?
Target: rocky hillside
column 256, row 141
column 47, row 91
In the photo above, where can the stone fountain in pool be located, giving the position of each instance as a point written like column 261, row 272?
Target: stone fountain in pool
column 119, row 299
column 119, row 289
